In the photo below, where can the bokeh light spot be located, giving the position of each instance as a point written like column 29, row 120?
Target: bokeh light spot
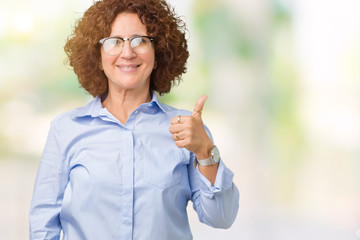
column 23, row 23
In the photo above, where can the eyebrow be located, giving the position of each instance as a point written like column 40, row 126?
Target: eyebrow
column 134, row 35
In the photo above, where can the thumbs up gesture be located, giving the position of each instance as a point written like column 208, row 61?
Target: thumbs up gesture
column 189, row 132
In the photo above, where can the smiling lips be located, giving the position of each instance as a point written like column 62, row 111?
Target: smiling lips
column 128, row 68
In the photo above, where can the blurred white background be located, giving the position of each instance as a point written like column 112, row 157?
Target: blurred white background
column 284, row 108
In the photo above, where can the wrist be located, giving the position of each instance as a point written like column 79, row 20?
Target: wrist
column 205, row 151
column 212, row 160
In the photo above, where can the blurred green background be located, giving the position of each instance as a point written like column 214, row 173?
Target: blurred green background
column 284, row 107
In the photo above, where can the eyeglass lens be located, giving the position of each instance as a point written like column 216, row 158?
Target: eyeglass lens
column 139, row 45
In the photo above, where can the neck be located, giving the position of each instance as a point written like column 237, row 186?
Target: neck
column 122, row 103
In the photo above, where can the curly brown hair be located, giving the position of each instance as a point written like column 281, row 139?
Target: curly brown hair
column 162, row 24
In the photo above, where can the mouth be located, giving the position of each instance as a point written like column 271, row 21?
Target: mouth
column 128, row 68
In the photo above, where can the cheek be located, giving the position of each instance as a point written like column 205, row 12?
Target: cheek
column 106, row 62
column 150, row 57
column 106, row 67
column 152, row 62
column 151, row 65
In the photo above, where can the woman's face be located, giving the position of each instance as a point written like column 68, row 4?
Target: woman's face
column 128, row 70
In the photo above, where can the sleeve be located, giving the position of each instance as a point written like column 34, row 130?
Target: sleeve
column 217, row 205
column 49, row 187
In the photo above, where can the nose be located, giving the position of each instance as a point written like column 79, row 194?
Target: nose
column 127, row 51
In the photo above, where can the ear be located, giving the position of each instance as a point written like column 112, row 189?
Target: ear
column 155, row 65
column 101, row 66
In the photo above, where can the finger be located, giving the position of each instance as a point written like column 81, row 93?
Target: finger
column 176, row 128
column 177, row 137
column 181, row 143
column 177, row 120
column 199, row 106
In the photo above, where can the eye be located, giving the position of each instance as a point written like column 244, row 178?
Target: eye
column 114, row 41
column 111, row 44
column 136, row 41
column 118, row 41
column 145, row 40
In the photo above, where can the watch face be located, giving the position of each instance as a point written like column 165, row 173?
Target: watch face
column 215, row 154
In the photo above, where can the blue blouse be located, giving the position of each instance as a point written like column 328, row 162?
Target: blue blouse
column 101, row 179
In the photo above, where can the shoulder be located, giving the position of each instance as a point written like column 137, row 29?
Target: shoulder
column 72, row 116
column 63, row 122
column 66, row 115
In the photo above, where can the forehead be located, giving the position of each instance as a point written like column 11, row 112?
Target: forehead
column 127, row 25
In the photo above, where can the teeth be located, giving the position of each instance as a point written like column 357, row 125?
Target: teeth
column 128, row 68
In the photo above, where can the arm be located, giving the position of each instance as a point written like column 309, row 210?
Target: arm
column 215, row 197
column 189, row 132
column 216, row 204
column 50, row 183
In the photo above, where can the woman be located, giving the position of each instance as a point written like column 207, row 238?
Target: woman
column 126, row 165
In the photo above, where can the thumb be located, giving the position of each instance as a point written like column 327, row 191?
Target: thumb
column 199, row 106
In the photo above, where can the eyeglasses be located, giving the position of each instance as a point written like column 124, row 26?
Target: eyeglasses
column 114, row 45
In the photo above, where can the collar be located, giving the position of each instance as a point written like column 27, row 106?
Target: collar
column 95, row 108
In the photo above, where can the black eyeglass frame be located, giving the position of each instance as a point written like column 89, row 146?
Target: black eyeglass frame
column 126, row 39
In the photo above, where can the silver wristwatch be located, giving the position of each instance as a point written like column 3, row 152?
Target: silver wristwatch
column 213, row 159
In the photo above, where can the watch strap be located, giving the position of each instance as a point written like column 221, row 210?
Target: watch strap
column 213, row 159
column 204, row 162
